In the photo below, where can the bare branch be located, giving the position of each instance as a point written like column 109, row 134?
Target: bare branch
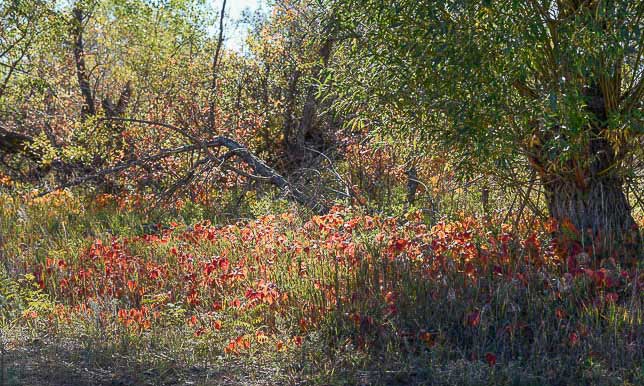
column 215, row 62
column 261, row 171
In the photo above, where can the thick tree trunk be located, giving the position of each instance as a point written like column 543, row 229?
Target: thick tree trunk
column 599, row 212
column 587, row 192
column 589, row 195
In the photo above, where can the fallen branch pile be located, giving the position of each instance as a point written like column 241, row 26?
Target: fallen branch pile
column 260, row 170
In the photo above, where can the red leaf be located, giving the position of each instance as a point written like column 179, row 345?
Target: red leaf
column 474, row 318
column 490, row 359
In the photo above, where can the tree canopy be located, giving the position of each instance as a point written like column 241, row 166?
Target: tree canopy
column 555, row 84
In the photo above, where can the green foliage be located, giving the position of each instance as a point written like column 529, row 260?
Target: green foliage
column 265, row 205
column 22, row 298
column 487, row 79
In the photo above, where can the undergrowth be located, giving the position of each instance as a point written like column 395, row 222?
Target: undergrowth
column 344, row 298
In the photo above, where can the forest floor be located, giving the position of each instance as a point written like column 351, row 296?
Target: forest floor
column 47, row 364
column 94, row 293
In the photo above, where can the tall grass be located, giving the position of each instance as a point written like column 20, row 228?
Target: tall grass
column 345, row 298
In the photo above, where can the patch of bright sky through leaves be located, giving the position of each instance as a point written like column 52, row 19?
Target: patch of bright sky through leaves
column 235, row 25
column 235, row 29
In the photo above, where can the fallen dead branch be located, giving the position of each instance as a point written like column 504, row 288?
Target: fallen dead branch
column 260, row 170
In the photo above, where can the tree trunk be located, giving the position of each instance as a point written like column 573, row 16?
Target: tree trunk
column 596, row 205
column 290, row 99
column 309, row 112
column 412, row 184
column 215, row 62
column 601, row 207
column 587, row 191
column 89, row 108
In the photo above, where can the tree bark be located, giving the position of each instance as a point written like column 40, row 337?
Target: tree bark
column 309, row 112
column 588, row 193
column 599, row 212
column 260, row 170
column 215, row 62
column 412, row 184
column 89, row 108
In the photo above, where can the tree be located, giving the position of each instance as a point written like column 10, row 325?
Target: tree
column 22, row 23
column 215, row 60
column 554, row 85
column 73, row 63
column 295, row 46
